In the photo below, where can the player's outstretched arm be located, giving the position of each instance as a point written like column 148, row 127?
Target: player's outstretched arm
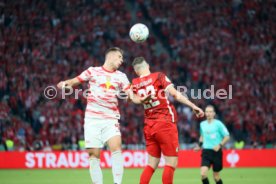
column 182, row 99
column 69, row 83
column 136, row 99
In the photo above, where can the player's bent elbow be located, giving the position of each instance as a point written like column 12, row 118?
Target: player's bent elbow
column 172, row 91
column 227, row 138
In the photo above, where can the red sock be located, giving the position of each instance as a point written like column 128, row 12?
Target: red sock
column 146, row 175
column 167, row 176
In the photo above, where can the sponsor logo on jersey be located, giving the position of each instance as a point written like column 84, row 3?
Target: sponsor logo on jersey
column 107, row 85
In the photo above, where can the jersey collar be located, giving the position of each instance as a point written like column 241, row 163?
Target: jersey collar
column 144, row 75
column 108, row 70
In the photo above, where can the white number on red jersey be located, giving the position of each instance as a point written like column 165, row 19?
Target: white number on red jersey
column 147, row 91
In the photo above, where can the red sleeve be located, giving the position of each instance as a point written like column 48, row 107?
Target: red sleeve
column 80, row 79
column 164, row 80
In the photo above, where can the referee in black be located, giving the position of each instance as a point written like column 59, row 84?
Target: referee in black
column 213, row 136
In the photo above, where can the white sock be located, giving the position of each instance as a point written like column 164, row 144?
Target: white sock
column 117, row 166
column 95, row 171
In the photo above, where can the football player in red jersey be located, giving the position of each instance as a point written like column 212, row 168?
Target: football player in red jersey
column 160, row 128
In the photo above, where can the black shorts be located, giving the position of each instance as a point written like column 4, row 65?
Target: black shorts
column 211, row 158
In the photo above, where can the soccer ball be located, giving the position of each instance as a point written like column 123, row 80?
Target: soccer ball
column 139, row 33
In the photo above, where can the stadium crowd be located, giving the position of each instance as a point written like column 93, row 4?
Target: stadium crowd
column 218, row 43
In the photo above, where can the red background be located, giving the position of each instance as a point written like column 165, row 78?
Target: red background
column 133, row 159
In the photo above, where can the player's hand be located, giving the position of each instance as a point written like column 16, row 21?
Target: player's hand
column 145, row 99
column 217, row 148
column 196, row 148
column 198, row 111
column 62, row 85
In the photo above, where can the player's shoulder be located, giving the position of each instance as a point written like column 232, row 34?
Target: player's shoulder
column 120, row 75
column 218, row 121
column 118, row 72
column 162, row 76
column 156, row 75
column 202, row 123
column 90, row 69
column 94, row 68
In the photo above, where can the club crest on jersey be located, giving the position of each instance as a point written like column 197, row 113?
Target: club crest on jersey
column 107, row 85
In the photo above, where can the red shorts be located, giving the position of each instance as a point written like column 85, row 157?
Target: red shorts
column 162, row 137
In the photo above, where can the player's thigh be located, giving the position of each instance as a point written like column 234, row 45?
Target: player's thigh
column 111, row 134
column 206, row 158
column 152, row 146
column 167, row 137
column 153, row 161
column 92, row 133
column 171, row 161
column 217, row 161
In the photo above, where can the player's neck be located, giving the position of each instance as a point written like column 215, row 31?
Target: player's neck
column 144, row 73
column 108, row 68
column 210, row 120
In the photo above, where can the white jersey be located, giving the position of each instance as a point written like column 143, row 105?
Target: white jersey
column 104, row 88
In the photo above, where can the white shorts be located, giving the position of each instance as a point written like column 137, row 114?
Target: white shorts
column 98, row 131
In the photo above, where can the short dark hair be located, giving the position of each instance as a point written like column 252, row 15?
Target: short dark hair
column 138, row 60
column 114, row 49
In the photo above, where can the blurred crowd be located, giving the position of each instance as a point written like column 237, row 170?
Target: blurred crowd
column 205, row 43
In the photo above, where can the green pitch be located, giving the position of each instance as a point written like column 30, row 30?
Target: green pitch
column 131, row 176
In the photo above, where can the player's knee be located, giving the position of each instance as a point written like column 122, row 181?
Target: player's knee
column 153, row 164
column 216, row 176
column 115, row 144
column 93, row 154
column 203, row 174
column 171, row 161
column 115, row 148
column 153, row 161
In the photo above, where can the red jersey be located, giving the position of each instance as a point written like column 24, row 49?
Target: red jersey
column 159, row 108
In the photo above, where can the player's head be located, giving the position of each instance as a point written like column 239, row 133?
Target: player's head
column 114, row 57
column 140, row 66
column 210, row 112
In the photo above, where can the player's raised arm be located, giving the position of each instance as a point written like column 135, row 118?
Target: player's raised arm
column 69, row 83
column 137, row 99
column 84, row 76
column 182, row 99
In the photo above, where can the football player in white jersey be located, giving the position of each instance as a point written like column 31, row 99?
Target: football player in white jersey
column 101, row 124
